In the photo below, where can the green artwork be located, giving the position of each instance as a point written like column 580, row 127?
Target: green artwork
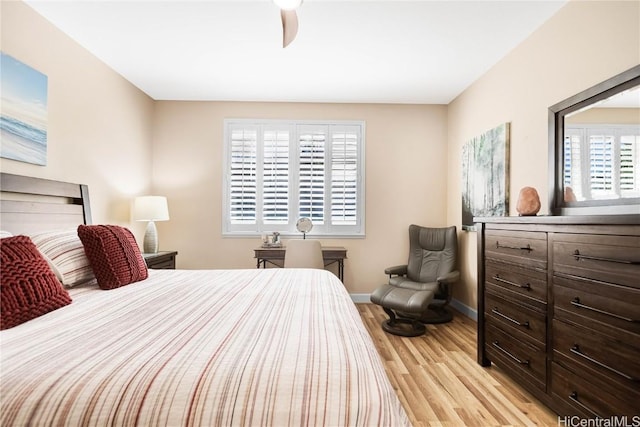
column 485, row 168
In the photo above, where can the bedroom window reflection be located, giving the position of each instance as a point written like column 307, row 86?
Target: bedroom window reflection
column 602, row 162
column 278, row 171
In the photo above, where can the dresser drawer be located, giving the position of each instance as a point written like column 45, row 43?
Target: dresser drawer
column 527, row 248
column 583, row 301
column 516, row 356
column 589, row 397
column 612, row 358
column 528, row 282
column 614, row 259
column 523, row 322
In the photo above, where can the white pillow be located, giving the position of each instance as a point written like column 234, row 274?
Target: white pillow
column 4, row 234
column 66, row 253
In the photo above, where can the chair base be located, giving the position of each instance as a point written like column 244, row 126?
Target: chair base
column 438, row 315
column 404, row 327
column 432, row 316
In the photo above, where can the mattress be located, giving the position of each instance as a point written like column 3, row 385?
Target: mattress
column 274, row 347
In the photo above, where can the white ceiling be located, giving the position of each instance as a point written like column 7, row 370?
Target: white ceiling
column 424, row 52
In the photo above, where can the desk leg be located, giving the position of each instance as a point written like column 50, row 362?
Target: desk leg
column 341, row 270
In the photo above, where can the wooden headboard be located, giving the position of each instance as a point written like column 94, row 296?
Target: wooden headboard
column 29, row 205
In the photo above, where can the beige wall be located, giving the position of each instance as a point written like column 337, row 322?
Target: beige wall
column 618, row 116
column 584, row 43
column 406, row 156
column 99, row 125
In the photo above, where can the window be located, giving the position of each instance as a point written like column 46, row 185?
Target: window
column 595, row 154
column 276, row 172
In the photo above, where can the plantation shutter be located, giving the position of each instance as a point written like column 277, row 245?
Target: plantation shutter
column 573, row 161
column 344, row 175
column 242, row 176
column 604, row 160
column 276, row 172
column 630, row 164
column 275, row 177
column 601, row 163
column 311, row 183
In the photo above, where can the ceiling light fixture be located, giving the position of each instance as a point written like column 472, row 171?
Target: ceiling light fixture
column 288, row 4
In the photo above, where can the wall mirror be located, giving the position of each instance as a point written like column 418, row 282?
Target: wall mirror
column 594, row 149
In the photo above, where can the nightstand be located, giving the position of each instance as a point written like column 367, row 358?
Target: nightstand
column 161, row 260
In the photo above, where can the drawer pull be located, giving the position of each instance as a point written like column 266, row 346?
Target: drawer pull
column 576, row 350
column 496, row 344
column 576, row 303
column 495, row 311
column 574, row 396
column 497, row 278
column 579, row 256
column 515, row 248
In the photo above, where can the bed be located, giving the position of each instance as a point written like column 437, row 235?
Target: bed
column 274, row 347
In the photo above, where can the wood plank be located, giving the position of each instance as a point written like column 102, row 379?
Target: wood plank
column 30, row 205
column 31, row 185
column 439, row 382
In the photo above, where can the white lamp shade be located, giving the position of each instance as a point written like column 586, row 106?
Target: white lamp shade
column 150, row 208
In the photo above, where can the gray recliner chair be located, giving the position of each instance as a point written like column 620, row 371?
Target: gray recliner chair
column 420, row 291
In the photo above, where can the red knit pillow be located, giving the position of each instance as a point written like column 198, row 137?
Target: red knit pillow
column 113, row 254
column 28, row 288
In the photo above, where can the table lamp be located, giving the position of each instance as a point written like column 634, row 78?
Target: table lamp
column 150, row 208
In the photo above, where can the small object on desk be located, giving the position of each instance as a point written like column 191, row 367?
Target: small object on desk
column 272, row 240
column 161, row 260
column 304, row 225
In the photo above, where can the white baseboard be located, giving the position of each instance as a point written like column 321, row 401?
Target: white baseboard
column 462, row 308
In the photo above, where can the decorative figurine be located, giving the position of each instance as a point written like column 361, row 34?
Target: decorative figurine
column 528, row 202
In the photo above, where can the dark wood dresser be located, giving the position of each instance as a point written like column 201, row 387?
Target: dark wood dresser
column 559, row 309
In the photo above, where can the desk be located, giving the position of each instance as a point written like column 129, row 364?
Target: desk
column 275, row 256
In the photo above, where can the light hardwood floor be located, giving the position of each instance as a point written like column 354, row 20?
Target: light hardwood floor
column 440, row 384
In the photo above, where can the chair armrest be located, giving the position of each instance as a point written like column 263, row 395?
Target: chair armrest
column 397, row 270
column 449, row 278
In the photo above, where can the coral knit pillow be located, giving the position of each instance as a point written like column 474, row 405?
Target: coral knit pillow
column 28, row 287
column 113, row 254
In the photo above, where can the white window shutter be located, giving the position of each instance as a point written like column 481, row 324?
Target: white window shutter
column 601, row 161
column 344, row 175
column 278, row 171
column 275, row 177
column 604, row 160
column 242, row 176
column 311, row 183
column 630, row 164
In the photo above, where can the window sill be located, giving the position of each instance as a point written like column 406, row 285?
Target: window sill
column 236, row 235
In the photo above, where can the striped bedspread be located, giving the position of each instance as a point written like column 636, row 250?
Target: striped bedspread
column 274, row 347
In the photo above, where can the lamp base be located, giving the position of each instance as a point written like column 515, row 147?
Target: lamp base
column 150, row 243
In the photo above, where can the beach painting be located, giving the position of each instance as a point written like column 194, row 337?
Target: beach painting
column 23, row 112
column 485, row 174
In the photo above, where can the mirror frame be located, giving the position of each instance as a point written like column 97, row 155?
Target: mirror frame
column 557, row 113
